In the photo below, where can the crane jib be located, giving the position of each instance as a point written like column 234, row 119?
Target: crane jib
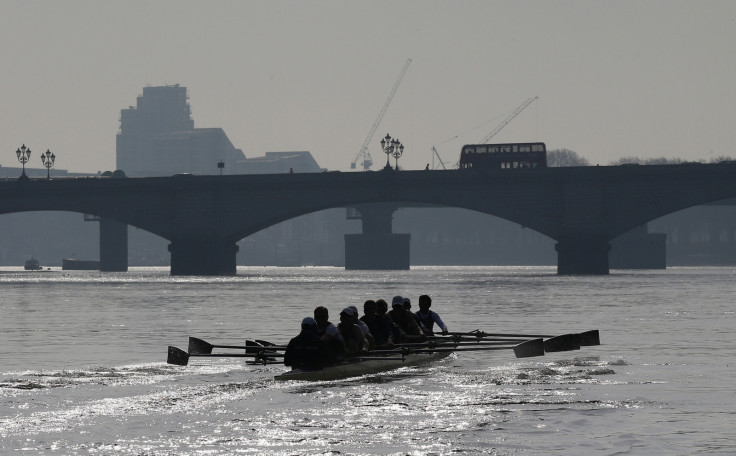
column 366, row 160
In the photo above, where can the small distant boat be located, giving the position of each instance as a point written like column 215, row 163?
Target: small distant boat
column 32, row 265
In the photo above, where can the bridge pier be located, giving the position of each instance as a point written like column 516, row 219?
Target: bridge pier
column 206, row 256
column 377, row 247
column 113, row 246
column 639, row 249
column 377, row 251
column 582, row 254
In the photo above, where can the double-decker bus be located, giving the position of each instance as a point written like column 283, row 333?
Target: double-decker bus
column 504, row 156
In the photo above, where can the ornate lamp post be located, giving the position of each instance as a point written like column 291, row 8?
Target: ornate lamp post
column 398, row 151
column 386, row 148
column 220, row 165
column 392, row 147
column 48, row 161
column 24, row 154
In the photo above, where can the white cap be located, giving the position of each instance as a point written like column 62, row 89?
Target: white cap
column 348, row 311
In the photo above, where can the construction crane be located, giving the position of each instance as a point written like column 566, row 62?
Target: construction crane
column 437, row 154
column 364, row 156
column 507, row 120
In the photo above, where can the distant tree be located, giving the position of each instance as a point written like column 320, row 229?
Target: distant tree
column 648, row 161
column 557, row 158
column 663, row 161
column 721, row 158
column 627, row 161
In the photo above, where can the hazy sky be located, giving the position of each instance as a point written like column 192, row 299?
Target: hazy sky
column 614, row 78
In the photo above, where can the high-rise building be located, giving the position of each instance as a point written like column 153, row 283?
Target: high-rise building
column 157, row 138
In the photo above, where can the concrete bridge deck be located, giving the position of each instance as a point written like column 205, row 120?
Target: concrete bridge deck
column 203, row 217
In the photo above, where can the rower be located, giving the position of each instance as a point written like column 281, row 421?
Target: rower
column 411, row 332
column 427, row 317
column 352, row 335
column 407, row 307
column 382, row 312
column 363, row 327
column 329, row 332
column 307, row 351
column 379, row 325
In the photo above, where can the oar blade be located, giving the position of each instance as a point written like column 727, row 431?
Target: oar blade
column 253, row 347
column 588, row 338
column 534, row 347
column 177, row 356
column 265, row 343
column 565, row 342
column 199, row 346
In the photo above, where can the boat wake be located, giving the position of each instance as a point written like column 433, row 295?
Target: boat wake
column 228, row 406
column 54, row 401
column 141, row 374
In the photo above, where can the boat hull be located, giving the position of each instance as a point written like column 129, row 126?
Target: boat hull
column 358, row 368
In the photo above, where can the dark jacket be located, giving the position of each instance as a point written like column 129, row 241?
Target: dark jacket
column 380, row 326
column 307, row 351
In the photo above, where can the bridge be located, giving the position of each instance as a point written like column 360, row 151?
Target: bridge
column 203, row 217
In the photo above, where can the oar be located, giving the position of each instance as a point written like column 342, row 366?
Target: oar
column 565, row 342
column 589, row 338
column 452, row 343
column 529, row 348
column 465, row 339
column 534, row 347
column 371, row 358
column 199, row 346
column 181, row 358
column 586, row 338
column 522, row 346
column 260, row 346
column 263, row 363
column 265, row 343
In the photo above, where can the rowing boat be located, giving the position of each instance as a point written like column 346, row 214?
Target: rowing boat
column 358, row 367
column 404, row 355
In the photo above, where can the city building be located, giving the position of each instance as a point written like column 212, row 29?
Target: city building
column 157, row 138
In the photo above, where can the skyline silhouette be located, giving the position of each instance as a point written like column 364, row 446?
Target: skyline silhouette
column 614, row 79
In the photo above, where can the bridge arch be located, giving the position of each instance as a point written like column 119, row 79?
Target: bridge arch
column 204, row 216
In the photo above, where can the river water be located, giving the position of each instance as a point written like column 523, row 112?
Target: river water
column 83, row 371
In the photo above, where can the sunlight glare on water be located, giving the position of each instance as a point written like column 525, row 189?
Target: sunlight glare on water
column 83, row 365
